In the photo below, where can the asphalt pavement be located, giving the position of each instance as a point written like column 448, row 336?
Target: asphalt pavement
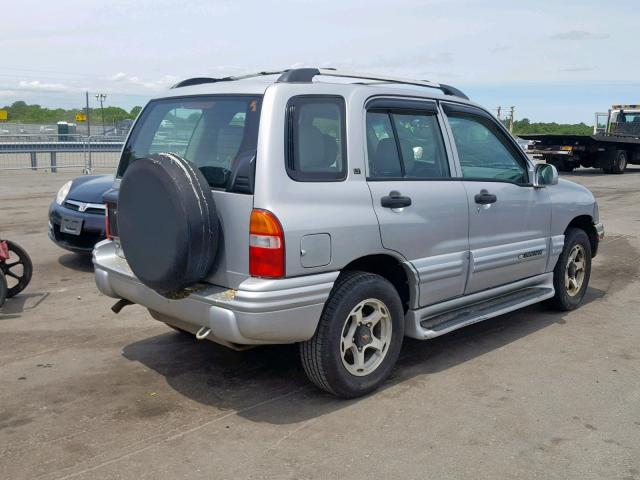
column 534, row 394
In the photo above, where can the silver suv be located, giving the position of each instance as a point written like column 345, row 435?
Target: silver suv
column 338, row 211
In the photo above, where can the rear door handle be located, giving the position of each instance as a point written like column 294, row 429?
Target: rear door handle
column 395, row 200
column 485, row 198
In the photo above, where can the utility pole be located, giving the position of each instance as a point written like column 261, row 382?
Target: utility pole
column 511, row 113
column 101, row 97
column 499, row 110
column 88, row 116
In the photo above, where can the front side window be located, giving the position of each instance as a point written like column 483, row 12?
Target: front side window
column 405, row 145
column 315, row 138
column 484, row 152
column 213, row 132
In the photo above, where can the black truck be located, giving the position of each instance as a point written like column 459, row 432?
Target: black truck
column 615, row 143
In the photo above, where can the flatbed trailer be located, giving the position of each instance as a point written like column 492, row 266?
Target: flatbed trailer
column 614, row 144
column 609, row 152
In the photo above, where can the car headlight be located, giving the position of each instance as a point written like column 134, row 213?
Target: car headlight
column 63, row 192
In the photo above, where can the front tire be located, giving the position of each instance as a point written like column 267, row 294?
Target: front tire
column 572, row 272
column 359, row 336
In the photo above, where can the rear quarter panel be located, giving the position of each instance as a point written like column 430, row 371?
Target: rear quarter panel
column 341, row 209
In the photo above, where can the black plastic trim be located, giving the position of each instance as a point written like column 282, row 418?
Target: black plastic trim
column 396, row 139
column 298, row 75
column 195, row 81
column 452, row 91
column 465, row 109
column 381, row 103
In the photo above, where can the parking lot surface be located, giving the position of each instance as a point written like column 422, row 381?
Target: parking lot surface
column 534, row 394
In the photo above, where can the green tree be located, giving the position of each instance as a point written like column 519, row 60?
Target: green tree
column 22, row 112
column 135, row 111
column 524, row 127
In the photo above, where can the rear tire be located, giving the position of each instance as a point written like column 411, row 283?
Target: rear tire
column 572, row 272
column 619, row 165
column 359, row 336
column 564, row 166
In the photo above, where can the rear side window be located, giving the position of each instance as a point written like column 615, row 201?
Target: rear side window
column 404, row 144
column 315, row 138
column 213, row 132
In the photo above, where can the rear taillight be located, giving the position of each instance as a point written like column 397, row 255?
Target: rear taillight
column 266, row 245
column 111, row 221
column 107, row 232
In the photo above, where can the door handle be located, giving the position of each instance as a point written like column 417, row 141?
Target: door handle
column 395, row 200
column 485, row 198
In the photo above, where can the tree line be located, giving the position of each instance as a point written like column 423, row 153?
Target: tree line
column 21, row 112
column 525, row 126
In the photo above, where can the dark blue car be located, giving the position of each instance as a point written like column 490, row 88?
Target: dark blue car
column 77, row 215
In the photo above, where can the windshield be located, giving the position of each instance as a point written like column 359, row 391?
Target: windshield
column 213, row 132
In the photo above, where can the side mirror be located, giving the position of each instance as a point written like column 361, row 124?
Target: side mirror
column 544, row 174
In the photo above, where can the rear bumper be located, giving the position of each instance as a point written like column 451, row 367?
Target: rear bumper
column 260, row 311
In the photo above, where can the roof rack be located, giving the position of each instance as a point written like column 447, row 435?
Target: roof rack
column 306, row 75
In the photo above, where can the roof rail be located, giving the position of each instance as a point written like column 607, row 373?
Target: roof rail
column 306, row 75
column 200, row 80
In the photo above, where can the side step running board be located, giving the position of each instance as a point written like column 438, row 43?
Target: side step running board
column 446, row 322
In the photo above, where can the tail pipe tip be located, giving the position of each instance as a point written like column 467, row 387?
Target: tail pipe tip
column 120, row 304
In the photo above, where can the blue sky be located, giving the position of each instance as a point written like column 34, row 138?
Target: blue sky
column 555, row 61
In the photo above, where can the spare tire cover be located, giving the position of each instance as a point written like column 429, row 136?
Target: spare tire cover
column 167, row 222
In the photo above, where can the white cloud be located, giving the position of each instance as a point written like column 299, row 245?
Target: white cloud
column 128, row 81
column 499, row 48
column 579, row 35
column 38, row 86
column 119, row 76
column 489, row 46
column 7, row 93
column 576, row 69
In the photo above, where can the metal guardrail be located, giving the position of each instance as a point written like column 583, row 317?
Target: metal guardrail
column 54, row 151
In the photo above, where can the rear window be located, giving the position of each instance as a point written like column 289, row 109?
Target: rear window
column 214, row 132
column 315, row 139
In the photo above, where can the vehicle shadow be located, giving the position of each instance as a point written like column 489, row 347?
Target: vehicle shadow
column 80, row 262
column 245, row 382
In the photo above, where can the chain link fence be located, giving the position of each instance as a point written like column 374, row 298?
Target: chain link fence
column 47, row 152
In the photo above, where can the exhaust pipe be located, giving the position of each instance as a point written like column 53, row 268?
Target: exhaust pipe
column 120, row 304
